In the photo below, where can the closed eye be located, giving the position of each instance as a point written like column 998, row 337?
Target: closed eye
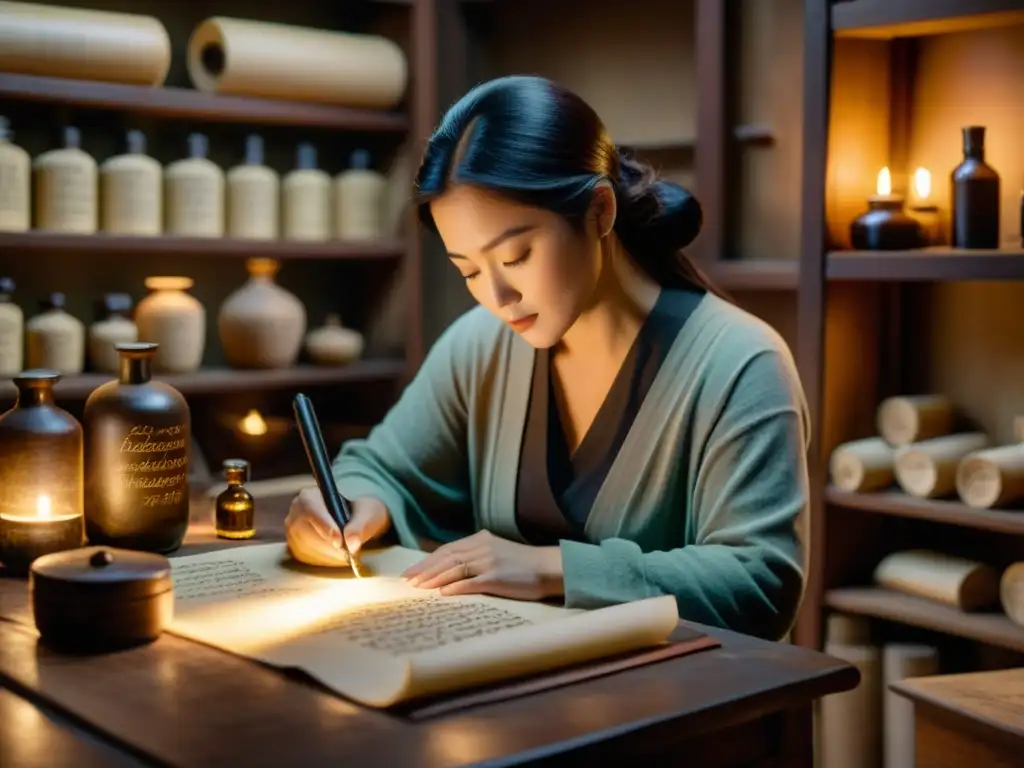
column 520, row 261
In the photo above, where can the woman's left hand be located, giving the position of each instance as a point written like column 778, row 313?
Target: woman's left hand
column 485, row 563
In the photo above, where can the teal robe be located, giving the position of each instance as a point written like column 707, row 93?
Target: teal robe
column 707, row 499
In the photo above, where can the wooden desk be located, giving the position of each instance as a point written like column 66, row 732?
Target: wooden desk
column 176, row 702
column 972, row 719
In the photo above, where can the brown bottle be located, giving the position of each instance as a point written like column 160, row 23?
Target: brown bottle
column 236, row 508
column 136, row 458
column 975, row 195
column 41, row 464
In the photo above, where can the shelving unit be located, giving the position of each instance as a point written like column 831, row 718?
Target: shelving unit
column 189, row 104
column 900, row 504
column 410, row 124
column 885, row 19
column 927, row 264
column 334, row 276
column 880, row 323
column 100, row 244
column 991, row 628
column 751, row 135
column 224, row 381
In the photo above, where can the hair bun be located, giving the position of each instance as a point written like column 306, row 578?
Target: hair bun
column 653, row 214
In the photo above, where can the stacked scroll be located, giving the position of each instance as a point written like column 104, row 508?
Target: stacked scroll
column 243, row 57
column 920, row 448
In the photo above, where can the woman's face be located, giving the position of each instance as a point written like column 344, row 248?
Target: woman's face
column 526, row 265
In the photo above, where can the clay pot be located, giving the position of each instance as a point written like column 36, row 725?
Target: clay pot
column 261, row 324
column 333, row 344
column 115, row 326
column 175, row 321
column 54, row 339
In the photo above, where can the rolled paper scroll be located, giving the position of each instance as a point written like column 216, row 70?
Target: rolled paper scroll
column 993, row 477
column 279, row 61
column 913, row 418
column 862, row 465
column 83, row 44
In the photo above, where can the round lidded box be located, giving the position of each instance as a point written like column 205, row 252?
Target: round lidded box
column 96, row 599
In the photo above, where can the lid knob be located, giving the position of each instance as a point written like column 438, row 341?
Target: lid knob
column 101, row 559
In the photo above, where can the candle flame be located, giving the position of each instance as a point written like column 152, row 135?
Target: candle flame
column 44, row 507
column 884, row 185
column 922, row 183
column 253, row 423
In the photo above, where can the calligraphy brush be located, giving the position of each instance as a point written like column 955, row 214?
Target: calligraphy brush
column 316, row 452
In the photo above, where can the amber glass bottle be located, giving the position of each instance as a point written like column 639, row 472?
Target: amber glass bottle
column 236, row 508
column 138, row 435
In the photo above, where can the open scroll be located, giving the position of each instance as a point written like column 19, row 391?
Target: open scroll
column 380, row 641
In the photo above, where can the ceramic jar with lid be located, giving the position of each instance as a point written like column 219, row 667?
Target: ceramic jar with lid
column 55, row 340
column 174, row 320
column 334, row 344
column 261, row 324
column 100, row 599
column 115, row 326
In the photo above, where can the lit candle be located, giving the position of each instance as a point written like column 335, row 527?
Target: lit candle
column 257, row 434
column 883, row 188
column 37, row 532
column 885, row 226
column 41, row 478
column 253, row 424
column 923, row 209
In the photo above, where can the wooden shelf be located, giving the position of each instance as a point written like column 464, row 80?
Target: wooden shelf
column 949, row 512
column 104, row 244
column 927, row 264
column 751, row 135
column 218, row 381
column 186, row 103
column 992, row 628
column 754, row 274
column 886, row 19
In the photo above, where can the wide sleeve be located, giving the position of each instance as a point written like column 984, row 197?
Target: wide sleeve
column 745, row 570
column 415, row 459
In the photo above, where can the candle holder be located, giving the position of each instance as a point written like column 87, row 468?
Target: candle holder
column 886, row 227
column 41, row 474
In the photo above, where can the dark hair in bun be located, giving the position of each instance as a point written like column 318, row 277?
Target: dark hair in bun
column 537, row 142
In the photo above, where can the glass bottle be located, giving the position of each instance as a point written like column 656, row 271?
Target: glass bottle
column 40, row 475
column 138, row 443
column 975, row 195
column 236, row 508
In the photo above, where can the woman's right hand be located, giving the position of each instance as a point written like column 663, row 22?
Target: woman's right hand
column 313, row 536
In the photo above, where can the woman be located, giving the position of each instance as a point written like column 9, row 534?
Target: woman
column 604, row 427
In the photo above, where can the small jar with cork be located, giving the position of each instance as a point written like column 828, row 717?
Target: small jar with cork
column 235, row 509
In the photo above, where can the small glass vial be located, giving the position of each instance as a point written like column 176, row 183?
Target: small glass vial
column 236, row 508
